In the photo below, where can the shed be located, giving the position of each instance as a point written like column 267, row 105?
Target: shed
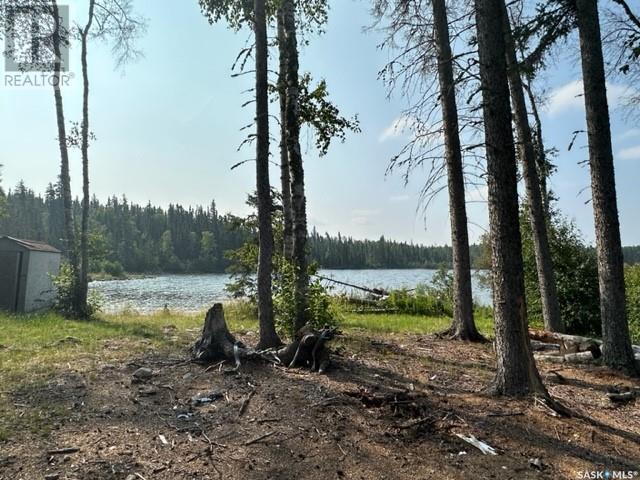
column 26, row 268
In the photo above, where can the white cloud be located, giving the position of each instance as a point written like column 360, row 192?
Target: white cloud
column 631, row 133
column 570, row 96
column 363, row 216
column 631, row 153
column 399, row 198
column 397, row 128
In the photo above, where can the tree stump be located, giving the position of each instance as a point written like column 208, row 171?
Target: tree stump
column 308, row 350
column 216, row 342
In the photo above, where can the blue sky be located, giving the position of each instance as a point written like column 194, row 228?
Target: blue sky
column 168, row 129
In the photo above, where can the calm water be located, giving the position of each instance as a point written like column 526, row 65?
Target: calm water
column 191, row 293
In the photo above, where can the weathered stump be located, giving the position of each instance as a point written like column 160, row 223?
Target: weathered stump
column 309, row 348
column 216, row 342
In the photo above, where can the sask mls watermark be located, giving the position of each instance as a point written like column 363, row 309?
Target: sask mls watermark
column 31, row 44
column 608, row 474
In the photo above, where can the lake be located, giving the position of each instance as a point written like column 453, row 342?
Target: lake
column 194, row 293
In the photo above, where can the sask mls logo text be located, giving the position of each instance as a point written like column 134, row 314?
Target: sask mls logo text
column 30, row 40
column 608, row 474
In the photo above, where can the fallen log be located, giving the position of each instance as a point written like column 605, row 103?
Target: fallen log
column 553, row 337
column 308, row 349
column 579, row 358
column 379, row 292
column 569, row 344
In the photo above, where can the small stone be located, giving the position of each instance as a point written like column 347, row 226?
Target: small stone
column 536, row 463
column 52, row 476
column 205, row 398
column 142, row 374
column 147, row 391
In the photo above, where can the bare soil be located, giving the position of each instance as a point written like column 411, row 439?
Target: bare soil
column 390, row 408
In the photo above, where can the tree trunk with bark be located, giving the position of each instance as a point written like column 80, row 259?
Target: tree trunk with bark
column 463, row 326
column 65, row 179
column 285, row 174
column 544, row 167
column 617, row 352
column 84, row 232
column 516, row 372
column 268, row 335
column 544, row 265
column 299, row 201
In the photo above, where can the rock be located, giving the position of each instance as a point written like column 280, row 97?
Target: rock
column 52, row 476
column 147, row 391
column 142, row 374
column 536, row 463
column 205, row 398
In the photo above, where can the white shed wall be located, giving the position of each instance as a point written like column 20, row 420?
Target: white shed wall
column 40, row 291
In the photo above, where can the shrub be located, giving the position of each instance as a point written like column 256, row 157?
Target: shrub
column 632, row 283
column 434, row 300
column 321, row 309
column 113, row 268
column 418, row 302
column 65, row 286
column 576, row 274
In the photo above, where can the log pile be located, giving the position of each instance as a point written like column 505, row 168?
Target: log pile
column 569, row 348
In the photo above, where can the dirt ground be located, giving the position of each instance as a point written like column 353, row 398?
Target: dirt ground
column 390, row 408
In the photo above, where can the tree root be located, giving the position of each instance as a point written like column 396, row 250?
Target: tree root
column 308, row 349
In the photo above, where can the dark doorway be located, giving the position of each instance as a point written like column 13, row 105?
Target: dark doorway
column 10, row 266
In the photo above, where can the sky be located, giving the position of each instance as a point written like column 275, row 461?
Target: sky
column 168, row 130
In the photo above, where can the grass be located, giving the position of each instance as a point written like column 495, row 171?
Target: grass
column 403, row 323
column 36, row 348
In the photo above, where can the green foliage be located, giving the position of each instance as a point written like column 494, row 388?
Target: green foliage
column 243, row 283
column 317, row 111
column 632, row 283
column 321, row 309
column 65, row 286
column 418, row 302
column 237, row 14
column 111, row 268
column 434, row 300
column 576, row 274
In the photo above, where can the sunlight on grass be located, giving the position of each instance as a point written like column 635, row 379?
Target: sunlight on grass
column 401, row 323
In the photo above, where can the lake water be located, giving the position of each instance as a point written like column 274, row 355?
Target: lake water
column 193, row 293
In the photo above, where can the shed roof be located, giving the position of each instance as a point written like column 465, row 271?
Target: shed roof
column 32, row 245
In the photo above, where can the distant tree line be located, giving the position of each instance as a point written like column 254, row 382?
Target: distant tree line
column 124, row 236
column 345, row 252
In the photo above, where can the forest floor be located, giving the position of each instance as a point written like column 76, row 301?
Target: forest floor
column 390, row 408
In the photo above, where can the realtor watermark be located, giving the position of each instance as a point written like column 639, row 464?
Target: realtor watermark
column 30, row 37
column 608, row 474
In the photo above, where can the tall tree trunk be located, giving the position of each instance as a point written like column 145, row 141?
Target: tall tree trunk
column 84, row 232
column 285, row 174
column 65, row 179
column 268, row 335
column 541, row 156
column 546, row 278
column 617, row 352
column 463, row 326
column 297, row 170
column 516, row 373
